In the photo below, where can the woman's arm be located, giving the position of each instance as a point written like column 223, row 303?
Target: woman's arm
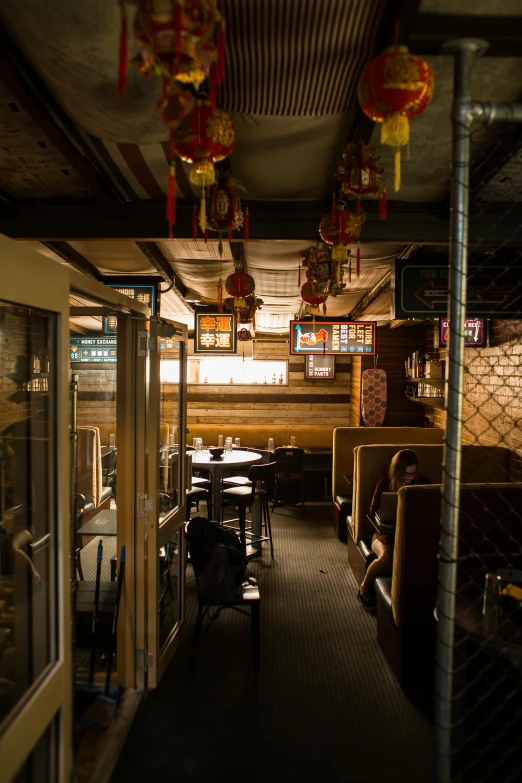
column 380, row 487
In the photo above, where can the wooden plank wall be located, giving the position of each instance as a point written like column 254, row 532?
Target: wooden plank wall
column 301, row 402
column 393, row 348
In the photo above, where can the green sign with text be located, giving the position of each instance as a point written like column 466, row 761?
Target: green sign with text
column 421, row 290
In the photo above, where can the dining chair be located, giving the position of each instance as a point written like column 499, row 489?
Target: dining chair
column 290, row 476
column 261, row 486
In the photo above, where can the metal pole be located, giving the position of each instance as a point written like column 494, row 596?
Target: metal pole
column 464, row 51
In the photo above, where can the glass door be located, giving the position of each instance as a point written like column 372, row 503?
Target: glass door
column 35, row 618
column 165, row 502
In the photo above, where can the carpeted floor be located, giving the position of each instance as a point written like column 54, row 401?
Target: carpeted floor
column 325, row 706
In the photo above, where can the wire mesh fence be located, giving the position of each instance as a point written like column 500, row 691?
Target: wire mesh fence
column 479, row 607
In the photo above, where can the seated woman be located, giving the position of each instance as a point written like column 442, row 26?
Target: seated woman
column 402, row 473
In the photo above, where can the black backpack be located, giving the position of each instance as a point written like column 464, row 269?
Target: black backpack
column 218, row 560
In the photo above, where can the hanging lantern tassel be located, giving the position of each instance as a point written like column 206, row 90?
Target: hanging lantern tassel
column 203, row 211
column 122, row 76
column 171, row 197
column 299, row 275
column 333, row 206
column 397, row 180
column 350, row 271
column 358, row 206
column 339, row 252
column 246, row 230
column 195, row 221
column 358, row 262
column 220, row 296
column 179, row 28
column 395, row 132
column 230, row 229
column 382, row 206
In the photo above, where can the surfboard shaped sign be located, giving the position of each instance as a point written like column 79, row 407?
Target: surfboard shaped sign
column 374, row 397
column 333, row 337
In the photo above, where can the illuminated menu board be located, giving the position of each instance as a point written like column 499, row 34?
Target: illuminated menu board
column 332, row 337
column 474, row 332
column 215, row 333
column 319, row 366
column 93, row 349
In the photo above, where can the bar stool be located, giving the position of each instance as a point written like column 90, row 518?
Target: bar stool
column 261, row 487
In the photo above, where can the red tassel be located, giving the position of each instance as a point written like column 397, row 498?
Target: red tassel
column 382, row 206
column 221, row 54
column 122, row 76
column 299, row 276
column 195, row 221
column 230, row 233
column 179, row 24
column 213, row 85
column 220, row 297
column 246, row 230
column 171, row 198
column 350, row 271
column 205, row 236
column 358, row 259
column 333, row 206
column 357, row 205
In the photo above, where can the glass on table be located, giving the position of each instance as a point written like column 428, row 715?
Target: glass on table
column 112, row 441
column 195, row 442
column 237, row 442
column 228, row 444
column 220, row 441
column 199, row 444
column 270, row 444
column 292, row 441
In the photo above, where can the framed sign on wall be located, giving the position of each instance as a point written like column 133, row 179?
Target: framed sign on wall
column 319, row 366
column 215, row 333
column 332, row 337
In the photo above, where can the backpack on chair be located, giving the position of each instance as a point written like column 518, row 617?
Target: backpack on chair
column 218, row 560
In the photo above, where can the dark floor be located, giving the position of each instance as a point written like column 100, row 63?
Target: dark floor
column 325, row 705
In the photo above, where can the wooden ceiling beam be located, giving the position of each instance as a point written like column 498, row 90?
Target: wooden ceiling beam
column 34, row 97
column 370, row 297
column 162, row 265
column 74, row 258
column 408, row 223
column 503, row 33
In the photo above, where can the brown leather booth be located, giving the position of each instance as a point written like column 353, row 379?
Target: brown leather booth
column 479, row 463
column 345, row 440
column 490, row 537
column 256, row 436
column 89, row 472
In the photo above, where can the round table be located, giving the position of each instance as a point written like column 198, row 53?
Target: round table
column 237, row 458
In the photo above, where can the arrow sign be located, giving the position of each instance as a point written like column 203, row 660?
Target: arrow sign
column 430, row 294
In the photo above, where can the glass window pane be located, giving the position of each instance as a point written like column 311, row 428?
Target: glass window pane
column 27, row 500
column 169, row 587
column 41, row 765
column 170, row 470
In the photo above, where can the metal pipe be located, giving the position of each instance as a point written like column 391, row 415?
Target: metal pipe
column 462, row 117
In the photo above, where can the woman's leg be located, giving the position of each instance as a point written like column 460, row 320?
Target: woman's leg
column 380, row 567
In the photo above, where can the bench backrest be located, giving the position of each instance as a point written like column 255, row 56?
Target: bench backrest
column 346, row 439
column 88, row 464
column 256, row 436
column 479, row 463
column 490, row 537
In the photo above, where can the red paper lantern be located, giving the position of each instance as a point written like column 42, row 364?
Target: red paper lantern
column 203, row 138
column 341, row 229
column 176, row 39
column 393, row 87
column 239, row 285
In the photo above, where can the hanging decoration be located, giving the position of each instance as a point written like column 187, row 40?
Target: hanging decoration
column 323, row 273
column 239, row 285
column 224, row 213
column 394, row 87
column 340, row 229
column 182, row 40
column 359, row 175
column 247, row 313
column 204, row 137
column 309, row 296
column 244, row 335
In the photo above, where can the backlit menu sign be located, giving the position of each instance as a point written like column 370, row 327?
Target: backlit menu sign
column 145, row 294
column 93, row 349
column 474, row 332
column 319, row 366
column 332, row 337
column 215, row 333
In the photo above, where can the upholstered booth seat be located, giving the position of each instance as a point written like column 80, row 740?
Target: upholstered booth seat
column 256, row 436
column 89, row 472
column 345, row 440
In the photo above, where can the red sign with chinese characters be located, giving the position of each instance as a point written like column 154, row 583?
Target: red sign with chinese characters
column 215, row 333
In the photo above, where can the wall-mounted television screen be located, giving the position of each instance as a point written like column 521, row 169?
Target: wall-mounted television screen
column 333, row 337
